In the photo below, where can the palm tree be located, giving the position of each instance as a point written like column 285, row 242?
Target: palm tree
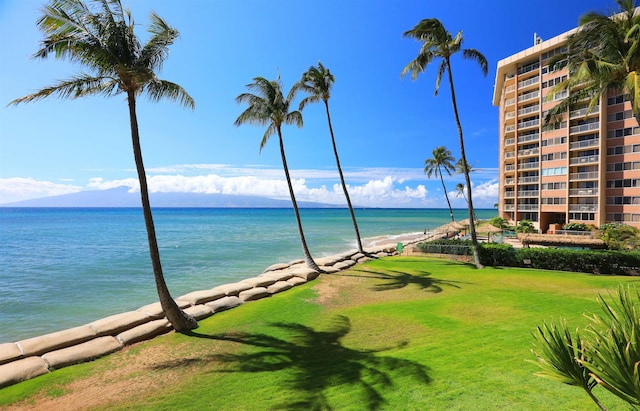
column 438, row 43
column 317, row 82
column 105, row 43
column 269, row 107
column 461, row 189
column 602, row 55
column 442, row 159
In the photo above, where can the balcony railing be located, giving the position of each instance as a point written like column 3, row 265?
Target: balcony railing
column 584, row 143
column 527, row 166
column 510, row 88
column 509, row 115
column 510, row 102
column 529, row 137
column 528, row 152
column 509, row 141
column 583, row 192
column 528, row 207
column 529, row 81
column 530, row 123
column 509, row 154
column 510, row 167
column 583, row 207
column 529, row 67
column 527, row 180
column 509, row 181
column 528, row 193
column 509, row 207
column 584, row 127
column 589, row 175
column 583, row 112
column 509, row 194
column 530, row 109
column 528, row 96
column 509, row 128
column 584, row 160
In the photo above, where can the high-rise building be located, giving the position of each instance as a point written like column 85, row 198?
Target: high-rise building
column 583, row 169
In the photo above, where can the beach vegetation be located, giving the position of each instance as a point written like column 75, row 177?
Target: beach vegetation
column 99, row 36
column 606, row 353
column 602, row 57
column 525, row 226
column 618, row 236
column 499, row 222
column 429, row 332
column 575, row 227
column 317, row 81
column 267, row 106
column 441, row 160
column 438, row 43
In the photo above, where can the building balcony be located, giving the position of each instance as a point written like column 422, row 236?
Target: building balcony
column 528, row 166
column 529, row 110
column 590, row 175
column 528, row 207
column 510, row 128
column 528, row 152
column 509, row 141
column 584, row 160
column 528, row 83
column 510, row 115
column 510, row 102
column 509, row 207
column 509, row 154
column 583, row 207
column 584, row 143
column 509, row 181
column 528, row 180
column 583, row 192
column 528, row 193
column 584, row 112
column 584, row 127
column 528, row 68
column 528, row 96
column 509, row 194
column 510, row 167
column 528, row 124
column 529, row 137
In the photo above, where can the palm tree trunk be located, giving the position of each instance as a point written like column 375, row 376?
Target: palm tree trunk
column 472, row 224
column 446, row 195
column 307, row 255
column 344, row 185
column 180, row 320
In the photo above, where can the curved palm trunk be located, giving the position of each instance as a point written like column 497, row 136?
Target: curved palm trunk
column 446, row 195
column 472, row 224
column 344, row 185
column 307, row 255
column 180, row 320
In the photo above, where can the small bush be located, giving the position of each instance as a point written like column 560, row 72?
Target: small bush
column 575, row 227
column 498, row 255
column 447, row 246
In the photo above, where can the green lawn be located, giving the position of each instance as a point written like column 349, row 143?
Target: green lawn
column 400, row 333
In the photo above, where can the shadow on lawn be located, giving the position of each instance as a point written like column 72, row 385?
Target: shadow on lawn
column 317, row 362
column 395, row 280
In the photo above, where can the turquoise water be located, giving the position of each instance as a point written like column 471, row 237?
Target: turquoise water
column 60, row 268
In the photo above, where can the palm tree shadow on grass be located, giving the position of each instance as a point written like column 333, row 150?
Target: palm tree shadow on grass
column 396, row 280
column 318, row 361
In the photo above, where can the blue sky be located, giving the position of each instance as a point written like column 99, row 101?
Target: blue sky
column 385, row 126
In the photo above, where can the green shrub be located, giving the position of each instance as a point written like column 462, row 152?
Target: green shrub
column 447, row 246
column 498, row 255
column 575, row 227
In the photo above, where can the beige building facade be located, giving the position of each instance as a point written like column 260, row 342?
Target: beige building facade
column 584, row 169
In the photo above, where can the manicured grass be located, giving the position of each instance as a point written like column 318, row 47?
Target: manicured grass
column 398, row 333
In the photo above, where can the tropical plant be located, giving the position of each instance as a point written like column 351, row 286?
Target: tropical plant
column 438, row 43
column 461, row 189
column 442, row 159
column 317, row 82
column 602, row 56
column 608, row 356
column 99, row 35
column 525, row 226
column 498, row 222
column 575, row 227
column 269, row 107
column 619, row 236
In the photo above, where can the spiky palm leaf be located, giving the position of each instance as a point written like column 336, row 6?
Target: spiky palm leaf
column 442, row 159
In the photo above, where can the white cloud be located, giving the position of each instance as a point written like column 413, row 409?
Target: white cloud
column 368, row 187
column 18, row 189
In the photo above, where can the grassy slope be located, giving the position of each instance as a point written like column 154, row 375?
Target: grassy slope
column 397, row 333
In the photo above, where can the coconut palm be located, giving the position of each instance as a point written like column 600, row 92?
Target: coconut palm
column 461, row 189
column 269, row 107
column 442, row 159
column 438, row 43
column 603, row 55
column 99, row 35
column 317, row 82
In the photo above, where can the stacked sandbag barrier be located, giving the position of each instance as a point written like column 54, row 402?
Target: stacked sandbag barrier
column 32, row 357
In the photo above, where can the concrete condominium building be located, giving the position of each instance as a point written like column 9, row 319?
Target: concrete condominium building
column 584, row 169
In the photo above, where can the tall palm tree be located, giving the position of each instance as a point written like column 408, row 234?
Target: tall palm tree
column 317, row 82
column 602, row 55
column 438, row 43
column 461, row 188
column 442, row 159
column 104, row 42
column 269, row 107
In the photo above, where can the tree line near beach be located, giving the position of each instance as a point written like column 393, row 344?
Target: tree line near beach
column 603, row 55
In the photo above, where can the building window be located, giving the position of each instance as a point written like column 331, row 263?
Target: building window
column 627, row 182
column 554, row 171
column 554, row 141
column 631, row 148
column 582, row 216
column 629, row 165
column 620, row 115
column 623, row 200
column 553, row 186
column 553, row 200
column 622, row 132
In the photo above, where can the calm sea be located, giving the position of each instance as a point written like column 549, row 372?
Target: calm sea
column 60, row 268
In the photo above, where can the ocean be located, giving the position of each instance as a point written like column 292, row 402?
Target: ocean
column 65, row 267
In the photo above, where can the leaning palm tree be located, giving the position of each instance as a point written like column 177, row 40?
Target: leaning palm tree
column 269, row 107
column 603, row 55
column 461, row 189
column 104, row 42
column 438, row 43
column 317, row 82
column 442, row 159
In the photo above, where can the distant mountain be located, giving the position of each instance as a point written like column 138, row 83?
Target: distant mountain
column 121, row 197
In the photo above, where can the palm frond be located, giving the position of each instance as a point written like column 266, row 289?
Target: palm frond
column 475, row 55
column 162, row 89
column 79, row 86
